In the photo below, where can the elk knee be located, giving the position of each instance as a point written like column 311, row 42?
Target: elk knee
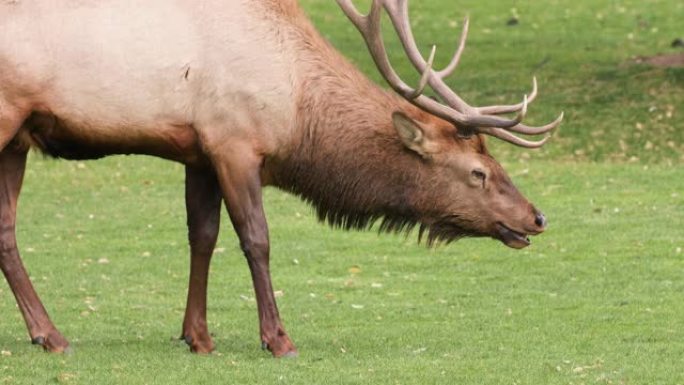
column 254, row 249
column 8, row 242
column 9, row 255
column 203, row 239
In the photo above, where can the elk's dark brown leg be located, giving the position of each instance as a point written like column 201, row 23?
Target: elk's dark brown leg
column 41, row 329
column 239, row 177
column 203, row 205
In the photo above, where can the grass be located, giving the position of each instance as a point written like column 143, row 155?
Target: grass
column 594, row 300
column 596, row 297
column 581, row 52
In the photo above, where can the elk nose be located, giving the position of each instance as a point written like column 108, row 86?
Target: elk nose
column 540, row 219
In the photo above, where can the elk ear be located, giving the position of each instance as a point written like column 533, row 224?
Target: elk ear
column 411, row 133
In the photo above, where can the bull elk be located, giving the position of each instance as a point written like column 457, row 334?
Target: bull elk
column 247, row 94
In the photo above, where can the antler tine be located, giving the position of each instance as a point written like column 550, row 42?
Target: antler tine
column 455, row 110
column 510, row 138
column 356, row 17
column 426, row 75
column 369, row 26
column 510, row 108
column 528, row 130
column 523, row 110
column 398, row 14
column 449, row 69
column 507, row 136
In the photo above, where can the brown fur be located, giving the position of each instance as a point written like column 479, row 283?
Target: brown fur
column 343, row 153
column 349, row 162
column 351, row 165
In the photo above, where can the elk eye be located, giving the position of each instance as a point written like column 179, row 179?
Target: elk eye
column 480, row 175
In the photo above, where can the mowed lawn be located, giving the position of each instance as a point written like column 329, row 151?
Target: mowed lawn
column 597, row 299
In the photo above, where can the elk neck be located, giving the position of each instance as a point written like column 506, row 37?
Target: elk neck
column 347, row 159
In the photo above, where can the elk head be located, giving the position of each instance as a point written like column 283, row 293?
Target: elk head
column 464, row 190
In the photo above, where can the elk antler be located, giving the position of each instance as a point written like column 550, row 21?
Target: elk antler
column 470, row 119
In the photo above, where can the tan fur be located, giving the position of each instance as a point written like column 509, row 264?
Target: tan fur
column 245, row 93
column 189, row 81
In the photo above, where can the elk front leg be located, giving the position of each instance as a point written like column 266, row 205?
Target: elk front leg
column 11, row 119
column 203, row 205
column 238, row 172
column 41, row 329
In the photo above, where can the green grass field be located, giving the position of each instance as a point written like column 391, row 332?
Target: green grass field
column 597, row 299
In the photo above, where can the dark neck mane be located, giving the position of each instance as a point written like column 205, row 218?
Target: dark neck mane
column 352, row 167
column 347, row 160
column 344, row 172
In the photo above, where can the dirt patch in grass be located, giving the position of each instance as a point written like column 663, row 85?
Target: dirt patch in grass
column 670, row 60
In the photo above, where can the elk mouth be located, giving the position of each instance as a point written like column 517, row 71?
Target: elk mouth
column 512, row 238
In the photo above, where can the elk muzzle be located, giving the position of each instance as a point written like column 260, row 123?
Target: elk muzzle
column 519, row 238
column 540, row 219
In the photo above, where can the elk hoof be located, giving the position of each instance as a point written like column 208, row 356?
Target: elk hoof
column 290, row 354
column 285, row 350
column 53, row 343
column 197, row 345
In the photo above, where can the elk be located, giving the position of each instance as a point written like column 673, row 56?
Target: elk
column 247, row 94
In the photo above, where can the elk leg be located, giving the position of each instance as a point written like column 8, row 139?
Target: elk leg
column 10, row 123
column 41, row 329
column 241, row 185
column 203, row 205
